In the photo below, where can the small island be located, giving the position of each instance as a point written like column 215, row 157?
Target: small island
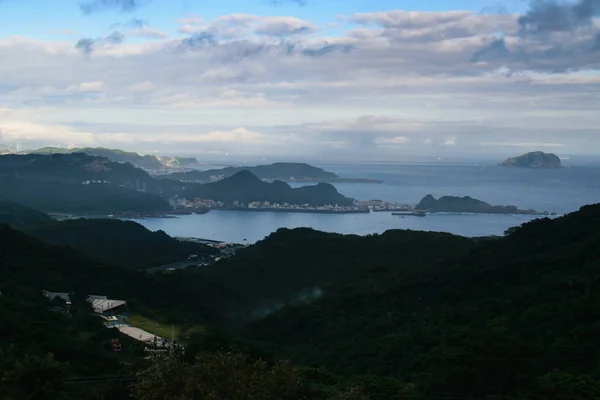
column 453, row 204
column 279, row 171
column 536, row 159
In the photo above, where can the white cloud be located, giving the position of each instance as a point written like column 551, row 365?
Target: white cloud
column 391, row 141
column 400, row 82
column 91, row 87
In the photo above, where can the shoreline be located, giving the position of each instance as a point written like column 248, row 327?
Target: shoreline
column 297, row 210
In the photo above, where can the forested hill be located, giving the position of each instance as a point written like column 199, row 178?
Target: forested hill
column 111, row 241
column 116, row 155
column 124, row 243
column 79, row 183
column 280, row 171
column 509, row 317
column 15, row 214
column 246, row 187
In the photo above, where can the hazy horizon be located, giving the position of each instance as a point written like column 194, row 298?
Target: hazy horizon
column 303, row 80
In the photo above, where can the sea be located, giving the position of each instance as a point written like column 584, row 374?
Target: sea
column 560, row 191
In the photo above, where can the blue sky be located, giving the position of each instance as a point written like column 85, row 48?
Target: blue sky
column 46, row 19
column 350, row 79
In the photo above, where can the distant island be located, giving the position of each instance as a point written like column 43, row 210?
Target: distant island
column 245, row 188
column 116, row 155
column 536, row 159
column 468, row 204
column 286, row 172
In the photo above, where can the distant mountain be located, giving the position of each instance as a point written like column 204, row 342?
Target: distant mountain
column 277, row 171
column 80, row 183
column 536, row 159
column 116, row 155
column 245, row 187
column 467, row 205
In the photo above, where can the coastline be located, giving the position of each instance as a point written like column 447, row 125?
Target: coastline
column 297, row 210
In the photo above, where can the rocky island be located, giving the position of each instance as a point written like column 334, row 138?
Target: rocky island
column 468, row 204
column 281, row 171
column 536, row 159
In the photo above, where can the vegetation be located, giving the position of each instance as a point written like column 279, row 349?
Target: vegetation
column 116, row 242
column 466, row 205
column 16, row 215
column 536, row 159
column 394, row 316
column 116, row 155
column 279, row 171
column 509, row 317
column 245, row 187
column 78, row 183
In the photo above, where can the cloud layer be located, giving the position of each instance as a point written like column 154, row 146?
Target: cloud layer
column 392, row 84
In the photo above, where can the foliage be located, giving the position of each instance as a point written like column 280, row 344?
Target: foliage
column 116, row 242
column 494, row 320
column 280, row 170
column 216, row 376
column 245, row 187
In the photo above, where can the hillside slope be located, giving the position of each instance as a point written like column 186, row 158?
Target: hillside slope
column 246, row 187
column 280, row 171
column 512, row 316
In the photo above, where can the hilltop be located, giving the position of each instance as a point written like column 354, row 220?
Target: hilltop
column 245, row 187
column 401, row 314
column 467, row 204
column 79, row 183
column 460, row 324
column 116, row 155
column 536, row 159
column 286, row 172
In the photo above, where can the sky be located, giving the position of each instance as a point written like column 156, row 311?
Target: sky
column 338, row 80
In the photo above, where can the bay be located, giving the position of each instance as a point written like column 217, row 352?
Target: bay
column 559, row 191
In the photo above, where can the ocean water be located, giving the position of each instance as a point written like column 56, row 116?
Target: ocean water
column 559, row 191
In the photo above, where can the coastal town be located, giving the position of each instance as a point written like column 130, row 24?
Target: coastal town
column 357, row 207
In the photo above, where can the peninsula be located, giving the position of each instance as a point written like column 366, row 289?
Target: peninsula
column 536, row 159
column 468, row 204
column 286, row 172
column 244, row 188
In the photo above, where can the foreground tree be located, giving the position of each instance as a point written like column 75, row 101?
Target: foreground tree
column 215, row 376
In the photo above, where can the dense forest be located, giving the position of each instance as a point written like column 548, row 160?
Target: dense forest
column 401, row 315
column 246, row 187
column 82, row 184
column 121, row 156
column 281, row 171
column 111, row 241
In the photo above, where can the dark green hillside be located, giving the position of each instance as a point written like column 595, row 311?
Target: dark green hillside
column 513, row 316
column 79, row 183
column 245, row 187
column 15, row 214
column 117, row 242
column 291, row 265
column 281, row 171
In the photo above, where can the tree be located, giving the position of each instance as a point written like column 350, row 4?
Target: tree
column 214, row 376
column 29, row 377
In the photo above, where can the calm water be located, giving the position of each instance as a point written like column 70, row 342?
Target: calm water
column 560, row 191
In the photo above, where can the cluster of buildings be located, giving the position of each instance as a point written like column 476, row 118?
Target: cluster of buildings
column 195, row 203
column 381, row 205
column 101, row 305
